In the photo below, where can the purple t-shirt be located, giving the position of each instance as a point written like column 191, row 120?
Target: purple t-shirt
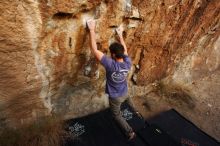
column 116, row 75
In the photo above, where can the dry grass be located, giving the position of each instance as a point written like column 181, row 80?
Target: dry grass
column 45, row 132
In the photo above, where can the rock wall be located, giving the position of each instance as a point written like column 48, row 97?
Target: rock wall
column 47, row 67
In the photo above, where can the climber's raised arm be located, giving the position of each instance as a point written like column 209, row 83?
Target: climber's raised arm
column 119, row 31
column 93, row 46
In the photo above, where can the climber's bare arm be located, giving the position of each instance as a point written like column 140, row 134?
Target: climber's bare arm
column 123, row 44
column 93, row 46
column 119, row 31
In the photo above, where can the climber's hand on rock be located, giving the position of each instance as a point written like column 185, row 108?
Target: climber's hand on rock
column 119, row 31
column 91, row 24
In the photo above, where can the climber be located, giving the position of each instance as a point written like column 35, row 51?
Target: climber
column 117, row 68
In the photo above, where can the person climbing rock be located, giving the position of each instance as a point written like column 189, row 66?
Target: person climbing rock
column 117, row 68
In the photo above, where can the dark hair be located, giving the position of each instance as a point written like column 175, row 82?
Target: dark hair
column 117, row 49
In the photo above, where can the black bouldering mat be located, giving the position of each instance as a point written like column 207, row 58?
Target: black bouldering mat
column 100, row 129
column 155, row 136
column 166, row 129
column 182, row 130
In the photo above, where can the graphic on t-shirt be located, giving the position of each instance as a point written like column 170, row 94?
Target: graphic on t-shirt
column 119, row 76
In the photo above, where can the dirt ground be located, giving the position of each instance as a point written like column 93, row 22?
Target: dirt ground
column 205, row 117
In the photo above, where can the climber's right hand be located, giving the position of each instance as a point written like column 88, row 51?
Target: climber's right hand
column 91, row 24
column 120, row 30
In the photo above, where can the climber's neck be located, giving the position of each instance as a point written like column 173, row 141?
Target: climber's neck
column 119, row 59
